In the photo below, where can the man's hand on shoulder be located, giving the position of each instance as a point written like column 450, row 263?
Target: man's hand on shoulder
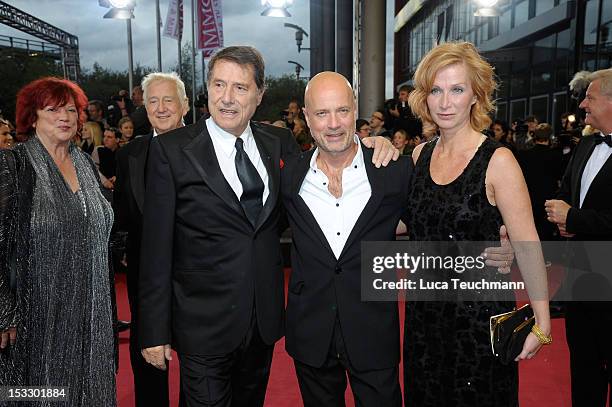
column 384, row 151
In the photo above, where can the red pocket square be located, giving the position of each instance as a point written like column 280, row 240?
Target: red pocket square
column 282, row 163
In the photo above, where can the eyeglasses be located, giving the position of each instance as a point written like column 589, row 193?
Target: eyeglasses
column 378, row 117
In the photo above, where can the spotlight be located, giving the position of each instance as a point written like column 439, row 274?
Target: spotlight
column 121, row 3
column 276, row 8
column 486, row 3
column 487, row 12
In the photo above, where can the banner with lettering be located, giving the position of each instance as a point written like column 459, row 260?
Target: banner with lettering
column 209, row 26
column 174, row 20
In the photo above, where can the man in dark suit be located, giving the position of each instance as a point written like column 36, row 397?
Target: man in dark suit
column 166, row 106
column 542, row 167
column 583, row 212
column 335, row 198
column 211, row 281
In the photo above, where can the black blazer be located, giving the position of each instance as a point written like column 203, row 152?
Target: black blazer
column 593, row 221
column 322, row 286
column 542, row 168
column 128, row 201
column 205, row 271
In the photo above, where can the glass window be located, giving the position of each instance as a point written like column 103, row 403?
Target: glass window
column 518, row 109
column 519, row 84
column 502, row 111
column 484, row 33
column 559, row 107
column 502, row 89
column 428, row 36
column 564, row 45
column 505, row 20
column 541, row 80
column 590, row 23
column 562, row 76
column 542, row 6
column 544, row 50
column 492, row 28
column 539, row 108
column 605, row 36
column 521, row 13
column 462, row 15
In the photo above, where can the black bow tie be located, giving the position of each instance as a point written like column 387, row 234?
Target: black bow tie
column 603, row 139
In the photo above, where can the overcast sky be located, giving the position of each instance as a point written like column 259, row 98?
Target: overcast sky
column 105, row 40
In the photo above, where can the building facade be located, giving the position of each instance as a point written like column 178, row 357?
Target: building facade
column 536, row 46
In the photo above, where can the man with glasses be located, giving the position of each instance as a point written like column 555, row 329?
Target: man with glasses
column 377, row 123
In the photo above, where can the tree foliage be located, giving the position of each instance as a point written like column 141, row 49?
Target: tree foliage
column 279, row 92
column 16, row 70
column 99, row 82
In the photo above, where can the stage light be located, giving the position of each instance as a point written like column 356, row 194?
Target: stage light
column 276, row 8
column 122, row 3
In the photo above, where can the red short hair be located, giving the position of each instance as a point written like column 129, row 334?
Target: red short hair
column 44, row 92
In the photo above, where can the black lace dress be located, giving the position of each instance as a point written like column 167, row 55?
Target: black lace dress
column 447, row 353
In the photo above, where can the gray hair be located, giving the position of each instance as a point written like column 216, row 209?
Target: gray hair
column 605, row 78
column 162, row 76
column 580, row 81
column 242, row 55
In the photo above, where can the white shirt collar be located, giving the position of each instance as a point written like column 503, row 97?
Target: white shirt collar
column 228, row 140
column 357, row 162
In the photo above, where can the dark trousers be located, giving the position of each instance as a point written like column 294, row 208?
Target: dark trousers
column 588, row 328
column 150, row 383
column 236, row 379
column 325, row 386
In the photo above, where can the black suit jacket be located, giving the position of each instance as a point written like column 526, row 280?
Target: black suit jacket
column 592, row 221
column 205, row 271
column 322, row 286
column 543, row 168
column 128, row 202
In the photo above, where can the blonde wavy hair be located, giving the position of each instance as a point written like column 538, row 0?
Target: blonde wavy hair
column 96, row 132
column 480, row 73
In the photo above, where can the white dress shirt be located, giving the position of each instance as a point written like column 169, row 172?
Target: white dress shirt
column 337, row 216
column 598, row 158
column 224, row 144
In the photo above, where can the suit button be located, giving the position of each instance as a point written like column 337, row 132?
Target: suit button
column 338, row 270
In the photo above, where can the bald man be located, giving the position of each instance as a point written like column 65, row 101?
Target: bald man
column 335, row 198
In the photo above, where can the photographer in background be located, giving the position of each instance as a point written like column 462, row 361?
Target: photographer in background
column 523, row 136
column 401, row 116
column 291, row 113
column 119, row 106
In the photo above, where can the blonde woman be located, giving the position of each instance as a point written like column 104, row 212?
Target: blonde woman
column 466, row 186
column 91, row 137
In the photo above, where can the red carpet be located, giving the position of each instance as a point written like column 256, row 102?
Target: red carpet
column 544, row 381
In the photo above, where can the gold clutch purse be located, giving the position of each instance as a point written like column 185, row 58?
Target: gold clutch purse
column 509, row 331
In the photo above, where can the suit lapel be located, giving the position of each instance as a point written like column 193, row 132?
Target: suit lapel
column 137, row 165
column 377, row 183
column 302, row 168
column 201, row 154
column 268, row 146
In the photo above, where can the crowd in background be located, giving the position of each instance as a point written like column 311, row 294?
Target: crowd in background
column 542, row 151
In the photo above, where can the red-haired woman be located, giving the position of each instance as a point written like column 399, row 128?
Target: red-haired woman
column 56, row 317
